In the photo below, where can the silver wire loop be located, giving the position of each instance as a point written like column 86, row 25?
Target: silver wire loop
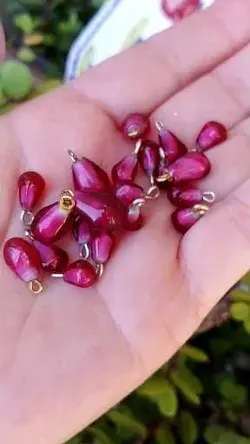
column 153, row 193
column 27, row 218
column 99, row 270
column 159, row 126
column 209, row 197
column 137, row 148
column 57, row 275
column 73, row 156
column 84, row 251
column 28, row 234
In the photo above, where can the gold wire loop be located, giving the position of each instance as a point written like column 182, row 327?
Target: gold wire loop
column 200, row 210
column 36, row 286
column 73, row 156
column 27, row 218
column 67, row 201
column 137, row 148
column 137, row 203
column 99, row 270
column 84, row 251
column 153, row 193
column 165, row 177
column 209, row 197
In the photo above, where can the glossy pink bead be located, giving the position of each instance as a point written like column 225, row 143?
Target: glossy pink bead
column 190, row 167
column 184, row 198
column 171, row 145
column 184, row 219
column 51, row 223
column 90, row 177
column 22, row 258
column 82, row 231
column 81, row 274
column 101, row 247
column 127, row 193
column 53, row 258
column 212, row 134
column 135, row 126
column 149, row 157
column 133, row 220
column 125, row 170
column 103, row 210
column 31, row 187
column 179, row 9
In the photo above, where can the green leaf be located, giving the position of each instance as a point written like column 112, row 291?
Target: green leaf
column 26, row 54
column 188, row 384
column 240, row 311
column 168, row 402
column 194, row 353
column 162, row 393
column 239, row 295
column 76, row 440
column 154, row 386
column 213, row 434
column 125, row 419
column 101, row 436
column 235, row 393
column 188, row 428
column 24, row 22
column 16, row 79
column 164, row 436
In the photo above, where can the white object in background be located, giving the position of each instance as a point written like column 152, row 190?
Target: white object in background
column 118, row 25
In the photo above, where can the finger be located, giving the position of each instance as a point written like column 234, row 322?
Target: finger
column 217, row 249
column 152, row 72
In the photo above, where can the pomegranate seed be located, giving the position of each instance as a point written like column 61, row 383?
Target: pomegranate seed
column 101, row 247
column 125, row 170
column 127, row 193
column 22, row 258
column 82, row 231
column 104, row 210
column 179, row 9
column 184, row 198
column 171, row 145
column 81, row 273
column 135, row 126
column 149, row 157
column 90, row 177
column 31, row 187
column 54, row 259
column 184, row 219
column 133, row 220
column 212, row 134
column 51, row 223
column 190, row 167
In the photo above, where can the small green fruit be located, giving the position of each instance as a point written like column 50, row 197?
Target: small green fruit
column 16, row 79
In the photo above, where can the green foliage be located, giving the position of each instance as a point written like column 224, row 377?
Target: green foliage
column 164, row 435
column 160, row 391
column 188, row 428
column 188, row 384
column 123, row 418
column 216, row 434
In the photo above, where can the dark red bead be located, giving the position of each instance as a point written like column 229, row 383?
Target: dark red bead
column 103, row 210
column 212, row 134
column 190, row 167
column 53, row 258
column 51, row 223
column 31, row 187
column 81, row 274
column 184, row 219
column 82, row 231
column 178, row 10
column 127, row 193
column 22, row 258
column 135, row 126
column 172, row 146
column 90, row 177
column 184, row 198
column 149, row 157
column 125, row 170
column 101, row 247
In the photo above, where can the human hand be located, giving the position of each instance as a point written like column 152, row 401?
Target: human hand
column 69, row 355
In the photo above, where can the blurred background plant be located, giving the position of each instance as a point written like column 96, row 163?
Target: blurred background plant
column 202, row 395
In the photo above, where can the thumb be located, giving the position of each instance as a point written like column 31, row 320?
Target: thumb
column 216, row 253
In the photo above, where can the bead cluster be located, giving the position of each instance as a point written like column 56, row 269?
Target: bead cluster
column 97, row 211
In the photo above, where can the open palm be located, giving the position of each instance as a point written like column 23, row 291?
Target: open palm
column 69, row 355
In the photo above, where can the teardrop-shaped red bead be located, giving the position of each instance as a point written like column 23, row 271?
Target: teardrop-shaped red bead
column 51, row 223
column 22, row 258
column 184, row 198
column 190, row 167
column 135, row 126
column 31, row 187
column 149, row 157
column 125, row 170
column 127, row 193
column 211, row 135
column 101, row 247
column 81, row 274
column 90, row 177
column 103, row 210
column 184, row 219
column 172, row 146
column 178, row 10
column 82, row 231
column 53, row 258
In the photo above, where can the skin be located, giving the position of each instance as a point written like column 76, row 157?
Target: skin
column 69, row 355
